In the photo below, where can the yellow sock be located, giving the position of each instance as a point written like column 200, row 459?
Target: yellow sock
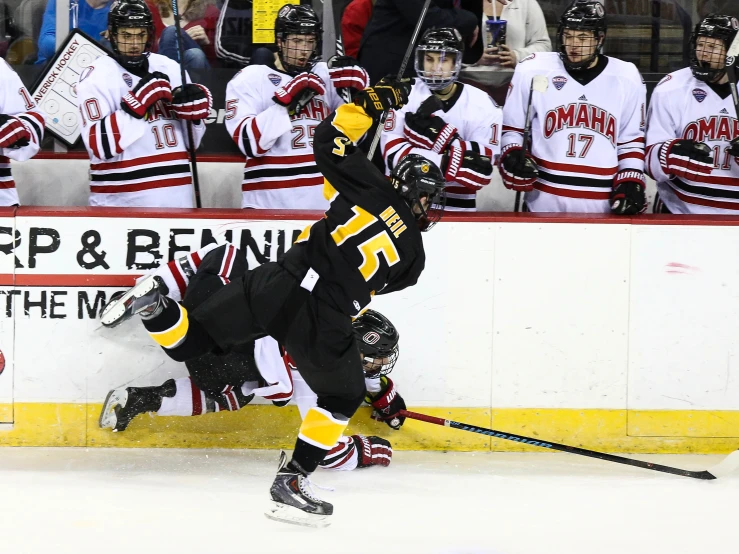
column 175, row 333
column 321, row 429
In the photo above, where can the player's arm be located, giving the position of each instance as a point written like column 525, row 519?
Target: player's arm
column 345, row 74
column 253, row 128
column 21, row 123
column 517, row 168
column 480, row 149
column 396, row 143
column 192, row 102
column 107, row 127
column 343, row 164
column 668, row 154
column 628, row 194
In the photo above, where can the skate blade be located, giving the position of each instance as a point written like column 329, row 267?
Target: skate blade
column 108, row 417
column 114, row 313
column 287, row 514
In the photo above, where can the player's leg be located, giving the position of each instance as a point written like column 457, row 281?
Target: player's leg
column 322, row 344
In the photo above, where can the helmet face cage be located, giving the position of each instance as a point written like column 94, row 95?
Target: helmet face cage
column 582, row 16
column 437, row 77
column 130, row 14
column 377, row 339
column 292, row 26
column 711, row 66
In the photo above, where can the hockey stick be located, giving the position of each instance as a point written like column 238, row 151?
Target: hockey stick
column 344, row 93
column 539, row 84
column 732, row 57
column 406, row 58
column 191, row 149
column 726, row 466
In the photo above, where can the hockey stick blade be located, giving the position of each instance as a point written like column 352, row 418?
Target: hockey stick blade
column 724, row 468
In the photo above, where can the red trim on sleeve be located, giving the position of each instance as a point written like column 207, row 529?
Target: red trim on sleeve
column 94, row 141
column 257, row 136
column 116, row 133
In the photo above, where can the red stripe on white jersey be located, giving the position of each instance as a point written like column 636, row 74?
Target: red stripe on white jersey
column 94, row 142
column 197, row 404
column 144, row 160
column 257, row 136
column 294, row 183
column 579, row 169
column 635, row 155
column 7, row 184
column 116, row 132
column 280, row 160
column 137, row 187
column 573, row 193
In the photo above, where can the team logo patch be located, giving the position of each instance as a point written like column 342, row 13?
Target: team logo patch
column 425, row 168
column 128, row 80
column 86, row 73
column 735, row 23
column 274, row 79
column 723, row 111
column 371, row 337
column 730, row 60
column 583, row 98
column 699, row 94
column 559, row 82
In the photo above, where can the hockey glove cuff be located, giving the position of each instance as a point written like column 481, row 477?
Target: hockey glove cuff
column 463, row 165
column 191, row 102
column 429, row 132
column 628, row 196
column 346, row 73
column 685, row 158
column 147, row 92
column 13, row 134
column 372, row 451
column 298, row 92
column 387, row 403
column 518, row 169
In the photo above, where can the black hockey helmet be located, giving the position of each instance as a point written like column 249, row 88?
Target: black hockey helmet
column 377, row 338
column 416, row 178
column 722, row 27
column 130, row 14
column 582, row 15
column 445, row 41
column 297, row 20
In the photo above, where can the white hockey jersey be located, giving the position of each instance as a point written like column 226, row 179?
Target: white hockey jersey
column 684, row 107
column 582, row 135
column 280, row 170
column 16, row 101
column 134, row 162
column 478, row 120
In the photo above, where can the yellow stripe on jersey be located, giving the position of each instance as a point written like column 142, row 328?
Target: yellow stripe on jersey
column 321, row 429
column 175, row 334
column 305, row 233
column 329, row 192
column 352, row 121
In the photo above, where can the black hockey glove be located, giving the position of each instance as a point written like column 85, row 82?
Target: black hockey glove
column 518, row 169
column 430, row 132
column 389, row 93
column 628, row 196
column 346, row 74
column 148, row 91
column 685, row 158
column 463, row 165
column 372, row 451
column 192, row 102
column 387, row 403
column 734, row 149
column 13, row 134
column 298, row 92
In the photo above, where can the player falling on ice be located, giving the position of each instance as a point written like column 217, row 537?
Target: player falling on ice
column 273, row 112
column 587, row 130
column 230, row 380
column 133, row 115
column 368, row 242
column 465, row 123
column 693, row 132
column 21, row 130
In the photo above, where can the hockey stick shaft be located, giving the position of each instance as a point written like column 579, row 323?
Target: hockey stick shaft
column 183, row 77
column 732, row 58
column 346, row 96
column 401, row 71
column 705, row 475
column 526, row 140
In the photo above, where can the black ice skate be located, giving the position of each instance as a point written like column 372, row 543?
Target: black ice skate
column 122, row 405
column 144, row 298
column 293, row 499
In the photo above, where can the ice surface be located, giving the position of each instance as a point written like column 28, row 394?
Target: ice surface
column 59, row 500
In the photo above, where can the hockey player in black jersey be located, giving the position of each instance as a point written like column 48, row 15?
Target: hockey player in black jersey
column 369, row 242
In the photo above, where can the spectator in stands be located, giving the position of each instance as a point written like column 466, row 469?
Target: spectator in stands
column 234, row 33
column 92, row 18
column 198, row 19
column 526, row 33
column 388, row 33
column 355, row 19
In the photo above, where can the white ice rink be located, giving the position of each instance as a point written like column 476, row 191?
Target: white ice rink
column 65, row 500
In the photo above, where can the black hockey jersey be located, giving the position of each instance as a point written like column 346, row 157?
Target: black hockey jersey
column 368, row 242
